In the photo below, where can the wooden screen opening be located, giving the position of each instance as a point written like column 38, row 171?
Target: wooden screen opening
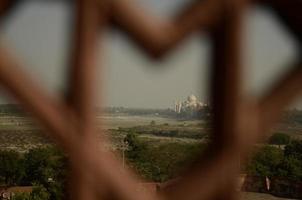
column 70, row 119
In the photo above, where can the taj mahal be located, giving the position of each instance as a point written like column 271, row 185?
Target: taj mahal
column 192, row 103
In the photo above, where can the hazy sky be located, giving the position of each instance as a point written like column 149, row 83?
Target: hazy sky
column 38, row 33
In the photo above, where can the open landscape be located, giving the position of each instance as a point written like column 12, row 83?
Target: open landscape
column 21, row 132
column 158, row 146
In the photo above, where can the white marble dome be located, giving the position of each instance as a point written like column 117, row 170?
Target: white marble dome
column 192, row 98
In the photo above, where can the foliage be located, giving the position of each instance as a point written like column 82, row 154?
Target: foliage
column 279, row 139
column 135, row 146
column 44, row 167
column 274, row 162
column 41, row 165
column 11, row 110
column 22, row 196
column 160, row 162
column 197, row 131
column 11, row 167
column 291, row 167
column 294, row 149
column 38, row 193
column 265, row 162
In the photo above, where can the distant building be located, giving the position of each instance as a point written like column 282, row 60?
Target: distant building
column 191, row 104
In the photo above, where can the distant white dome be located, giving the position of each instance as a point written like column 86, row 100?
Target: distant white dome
column 192, row 98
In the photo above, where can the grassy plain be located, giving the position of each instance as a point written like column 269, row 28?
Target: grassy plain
column 22, row 133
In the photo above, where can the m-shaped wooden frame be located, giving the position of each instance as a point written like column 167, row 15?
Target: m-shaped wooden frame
column 239, row 120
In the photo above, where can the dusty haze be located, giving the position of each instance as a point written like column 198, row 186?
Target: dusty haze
column 39, row 34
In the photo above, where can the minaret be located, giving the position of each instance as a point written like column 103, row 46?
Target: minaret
column 179, row 107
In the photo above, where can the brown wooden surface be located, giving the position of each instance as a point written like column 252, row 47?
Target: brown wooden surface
column 97, row 174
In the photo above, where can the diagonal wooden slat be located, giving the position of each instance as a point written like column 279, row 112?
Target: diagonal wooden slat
column 83, row 65
column 158, row 37
column 280, row 97
column 34, row 98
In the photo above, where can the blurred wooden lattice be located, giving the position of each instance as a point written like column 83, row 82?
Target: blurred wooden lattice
column 70, row 120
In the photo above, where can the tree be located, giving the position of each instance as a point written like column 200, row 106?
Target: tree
column 279, row 139
column 152, row 123
column 294, row 149
column 38, row 166
column 168, row 160
column 40, row 193
column 135, row 146
column 265, row 162
column 271, row 161
column 47, row 167
column 291, row 168
column 11, row 167
column 159, row 162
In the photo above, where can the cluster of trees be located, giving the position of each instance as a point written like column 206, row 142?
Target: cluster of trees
column 44, row 168
column 280, row 139
column 165, row 130
column 273, row 161
column 162, row 161
column 137, row 111
column 11, row 109
column 185, row 114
